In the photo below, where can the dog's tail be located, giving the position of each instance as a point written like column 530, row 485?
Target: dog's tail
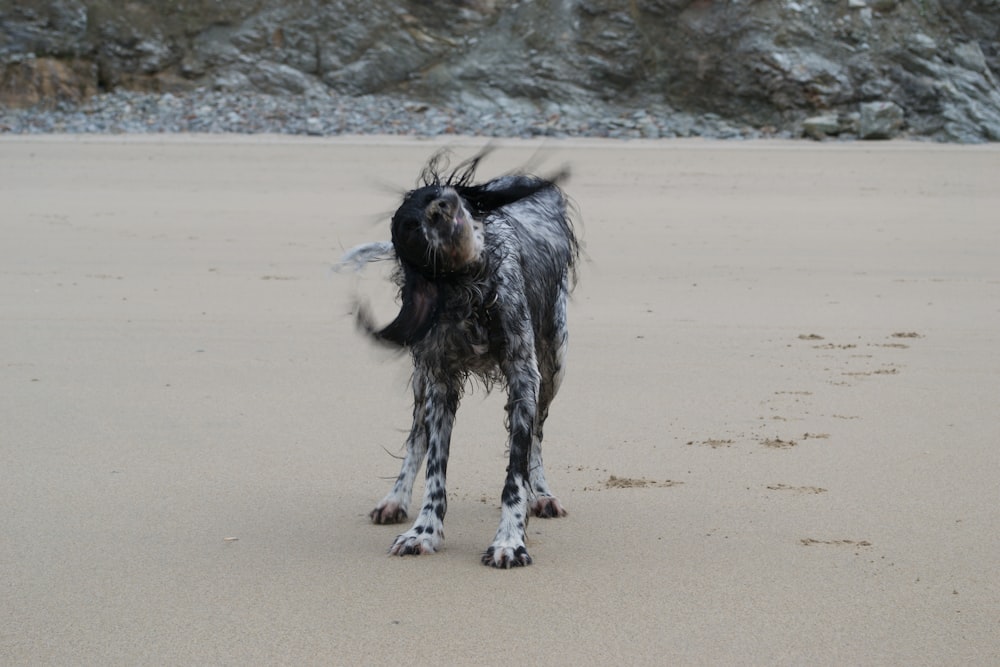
column 506, row 190
column 356, row 258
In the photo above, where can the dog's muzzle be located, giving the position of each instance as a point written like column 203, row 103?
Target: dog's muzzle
column 446, row 215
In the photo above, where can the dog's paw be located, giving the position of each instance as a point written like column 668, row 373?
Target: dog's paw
column 388, row 512
column 505, row 557
column 547, row 507
column 417, row 541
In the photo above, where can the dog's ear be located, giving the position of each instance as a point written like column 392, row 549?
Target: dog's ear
column 488, row 197
column 420, row 299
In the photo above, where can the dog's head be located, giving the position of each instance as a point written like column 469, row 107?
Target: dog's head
column 435, row 237
column 434, row 232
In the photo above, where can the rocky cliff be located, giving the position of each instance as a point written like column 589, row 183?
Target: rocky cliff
column 868, row 68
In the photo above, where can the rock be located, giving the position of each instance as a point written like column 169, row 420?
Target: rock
column 820, row 127
column 849, row 125
column 27, row 81
column 880, row 120
column 775, row 65
column 277, row 79
column 970, row 56
column 314, row 127
column 56, row 27
column 231, row 80
column 884, row 5
column 922, row 45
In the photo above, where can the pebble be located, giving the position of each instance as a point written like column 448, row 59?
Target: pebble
column 330, row 114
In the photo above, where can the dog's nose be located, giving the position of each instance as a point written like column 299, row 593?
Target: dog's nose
column 445, row 205
column 448, row 201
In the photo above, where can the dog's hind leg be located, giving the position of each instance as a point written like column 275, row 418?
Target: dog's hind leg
column 427, row 532
column 393, row 508
column 551, row 366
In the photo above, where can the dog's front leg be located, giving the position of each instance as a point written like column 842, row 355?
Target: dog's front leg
column 508, row 549
column 427, row 532
column 393, row 508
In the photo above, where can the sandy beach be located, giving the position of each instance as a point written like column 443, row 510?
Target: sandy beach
column 778, row 439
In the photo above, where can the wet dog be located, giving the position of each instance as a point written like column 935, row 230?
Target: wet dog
column 485, row 271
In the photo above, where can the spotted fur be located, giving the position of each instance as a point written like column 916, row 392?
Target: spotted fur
column 485, row 271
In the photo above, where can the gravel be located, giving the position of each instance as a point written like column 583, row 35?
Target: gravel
column 211, row 111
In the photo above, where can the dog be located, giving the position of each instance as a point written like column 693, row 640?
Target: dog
column 484, row 271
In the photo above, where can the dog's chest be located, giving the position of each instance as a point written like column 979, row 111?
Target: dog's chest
column 468, row 335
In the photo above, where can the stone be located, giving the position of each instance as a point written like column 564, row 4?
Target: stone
column 880, row 120
column 314, row 127
column 648, row 129
column 922, row 45
column 231, row 80
column 27, row 81
column 820, row 127
column 884, row 5
column 969, row 56
column 276, row 79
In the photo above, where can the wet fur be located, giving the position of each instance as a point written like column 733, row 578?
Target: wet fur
column 485, row 271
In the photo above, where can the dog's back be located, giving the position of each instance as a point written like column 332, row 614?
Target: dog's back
column 538, row 228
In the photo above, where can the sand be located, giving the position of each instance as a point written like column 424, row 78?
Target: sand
column 778, row 439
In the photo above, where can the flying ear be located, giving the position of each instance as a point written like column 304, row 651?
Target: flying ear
column 420, row 300
column 488, row 197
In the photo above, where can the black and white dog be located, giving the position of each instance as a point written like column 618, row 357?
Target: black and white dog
column 485, row 272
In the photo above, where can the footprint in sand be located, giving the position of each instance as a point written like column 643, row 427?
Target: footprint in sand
column 883, row 369
column 615, row 482
column 810, row 542
column 714, row 443
column 778, row 443
column 798, row 490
